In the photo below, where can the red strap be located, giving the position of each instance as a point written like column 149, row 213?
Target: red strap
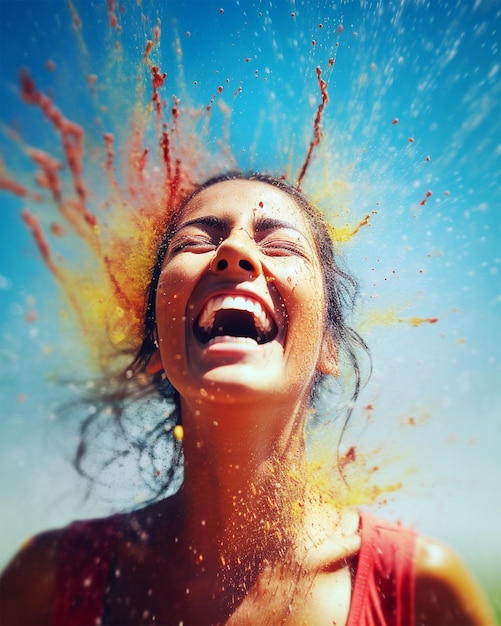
column 383, row 591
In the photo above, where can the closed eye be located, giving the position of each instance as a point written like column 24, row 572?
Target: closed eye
column 192, row 243
column 282, row 247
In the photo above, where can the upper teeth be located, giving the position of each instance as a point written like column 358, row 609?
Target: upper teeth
column 239, row 303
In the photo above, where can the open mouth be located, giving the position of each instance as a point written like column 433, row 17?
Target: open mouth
column 234, row 316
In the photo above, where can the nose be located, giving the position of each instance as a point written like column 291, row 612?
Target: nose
column 237, row 255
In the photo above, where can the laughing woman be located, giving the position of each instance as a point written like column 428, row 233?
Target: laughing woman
column 244, row 321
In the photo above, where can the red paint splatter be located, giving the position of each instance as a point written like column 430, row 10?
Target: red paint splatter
column 30, row 317
column 157, row 82
column 157, row 31
column 75, row 19
column 33, row 224
column 56, row 229
column 316, row 126
column 219, row 90
column 112, row 15
column 349, row 457
column 427, row 195
column 71, row 137
column 147, row 50
column 19, row 190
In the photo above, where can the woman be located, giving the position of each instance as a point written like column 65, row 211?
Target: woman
column 244, row 320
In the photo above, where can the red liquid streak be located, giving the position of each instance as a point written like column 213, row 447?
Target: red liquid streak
column 123, row 299
column 16, row 188
column 219, row 90
column 71, row 137
column 43, row 245
column 316, row 126
column 147, row 50
column 174, row 184
column 110, row 155
column 417, row 321
column 428, row 195
column 77, row 23
column 157, row 31
column 112, row 15
column 57, row 229
column 349, row 457
column 157, row 82
column 49, row 177
column 141, row 162
column 165, row 145
column 363, row 222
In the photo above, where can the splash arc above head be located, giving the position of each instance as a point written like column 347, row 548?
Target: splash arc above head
column 247, row 308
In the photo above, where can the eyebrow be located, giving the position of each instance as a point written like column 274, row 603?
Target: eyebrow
column 262, row 224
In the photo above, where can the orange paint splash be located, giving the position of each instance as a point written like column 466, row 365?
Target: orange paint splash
column 345, row 233
column 387, row 318
column 113, row 236
column 109, row 226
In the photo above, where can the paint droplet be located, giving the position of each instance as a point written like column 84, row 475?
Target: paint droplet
column 178, row 432
column 395, row 121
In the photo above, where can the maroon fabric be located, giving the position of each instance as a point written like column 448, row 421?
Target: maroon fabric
column 86, row 555
column 383, row 591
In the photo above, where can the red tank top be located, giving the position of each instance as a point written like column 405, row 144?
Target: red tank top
column 383, row 589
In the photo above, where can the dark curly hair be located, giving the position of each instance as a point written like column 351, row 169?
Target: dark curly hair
column 128, row 397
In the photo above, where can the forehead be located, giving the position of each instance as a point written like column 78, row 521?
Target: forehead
column 247, row 199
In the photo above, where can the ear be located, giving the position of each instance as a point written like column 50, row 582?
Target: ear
column 155, row 364
column 328, row 362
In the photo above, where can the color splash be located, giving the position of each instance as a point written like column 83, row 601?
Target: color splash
column 113, row 234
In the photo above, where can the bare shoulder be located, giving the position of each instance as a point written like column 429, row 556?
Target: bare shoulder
column 28, row 583
column 446, row 591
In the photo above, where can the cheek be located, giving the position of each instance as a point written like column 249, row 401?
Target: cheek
column 170, row 311
column 306, row 309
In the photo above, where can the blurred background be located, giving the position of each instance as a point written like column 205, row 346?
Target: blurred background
column 411, row 137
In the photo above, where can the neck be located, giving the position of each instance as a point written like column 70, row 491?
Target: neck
column 240, row 481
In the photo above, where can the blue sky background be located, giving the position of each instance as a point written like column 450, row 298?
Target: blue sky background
column 433, row 66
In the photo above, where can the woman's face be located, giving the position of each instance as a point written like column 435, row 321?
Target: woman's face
column 240, row 301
